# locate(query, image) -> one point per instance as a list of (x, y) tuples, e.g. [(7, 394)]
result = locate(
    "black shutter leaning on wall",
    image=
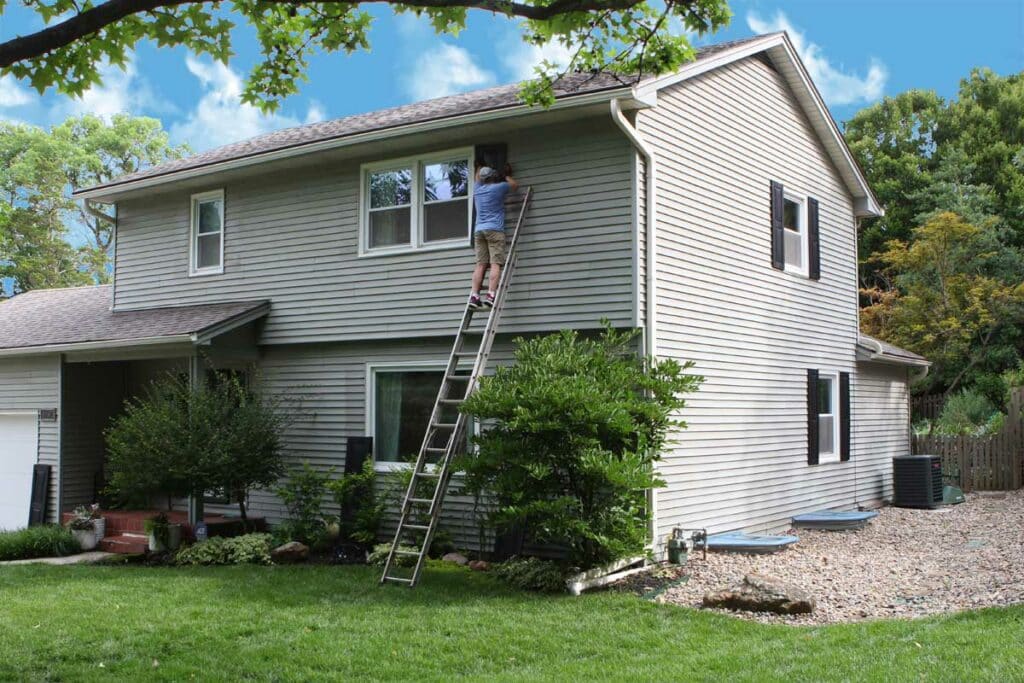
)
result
[(812, 417), (778, 239), (844, 416), (813, 240)]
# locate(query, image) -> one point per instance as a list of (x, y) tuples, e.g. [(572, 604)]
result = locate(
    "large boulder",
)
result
[(758, 593), (457, 558), (290, 552)]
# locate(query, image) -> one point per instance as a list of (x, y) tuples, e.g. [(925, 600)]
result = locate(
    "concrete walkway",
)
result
[(91, 557)]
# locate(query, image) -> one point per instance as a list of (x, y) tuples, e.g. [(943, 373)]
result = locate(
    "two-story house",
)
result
[(714, 208)]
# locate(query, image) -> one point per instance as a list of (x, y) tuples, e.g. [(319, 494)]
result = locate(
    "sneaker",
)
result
[(474, 302), (489, 300)]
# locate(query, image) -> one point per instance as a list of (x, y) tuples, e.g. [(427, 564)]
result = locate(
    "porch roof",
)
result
[(869, 348), (80, 318)]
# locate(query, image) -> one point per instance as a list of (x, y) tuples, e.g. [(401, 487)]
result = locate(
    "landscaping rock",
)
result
[(480, 565), (292, 551), (457, 558), (758, 593)]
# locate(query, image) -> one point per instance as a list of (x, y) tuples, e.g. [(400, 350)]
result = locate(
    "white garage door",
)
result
[(18, 442)]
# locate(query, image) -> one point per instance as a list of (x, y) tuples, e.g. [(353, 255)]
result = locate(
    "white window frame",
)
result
[(833, 376), (193, 246), (372, 369), (416, 218), (805, 251)]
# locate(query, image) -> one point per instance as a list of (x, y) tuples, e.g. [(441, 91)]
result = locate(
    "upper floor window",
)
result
[(796, 244), (419, 202), (794, 223), (207, 233)]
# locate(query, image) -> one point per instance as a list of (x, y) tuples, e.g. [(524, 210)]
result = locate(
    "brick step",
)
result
[(126, 544)]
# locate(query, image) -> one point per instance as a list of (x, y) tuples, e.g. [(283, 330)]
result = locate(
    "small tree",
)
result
[(574, 430), (180, 441)]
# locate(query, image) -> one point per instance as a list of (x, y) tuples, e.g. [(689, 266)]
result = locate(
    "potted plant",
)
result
[(163, 535), (99, 522), (82, 528)]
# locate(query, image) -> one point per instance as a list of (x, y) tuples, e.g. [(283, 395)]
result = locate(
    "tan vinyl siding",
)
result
[(753, 331), (293, 237), (32, 384), (880, 419)]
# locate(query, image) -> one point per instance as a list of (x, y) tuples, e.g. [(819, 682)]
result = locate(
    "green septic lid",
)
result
[(951, 495)]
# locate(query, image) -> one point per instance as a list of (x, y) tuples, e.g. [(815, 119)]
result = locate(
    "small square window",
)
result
[(828, 401), (794, 235), (207, 233)]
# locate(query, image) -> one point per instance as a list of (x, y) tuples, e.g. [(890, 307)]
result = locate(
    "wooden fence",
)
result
[(982, 463), (926, 406)]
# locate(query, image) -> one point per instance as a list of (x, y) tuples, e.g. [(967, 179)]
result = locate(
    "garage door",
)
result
[(18, 440)]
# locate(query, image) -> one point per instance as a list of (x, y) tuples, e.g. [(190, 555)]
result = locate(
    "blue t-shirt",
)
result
[(489, 200)]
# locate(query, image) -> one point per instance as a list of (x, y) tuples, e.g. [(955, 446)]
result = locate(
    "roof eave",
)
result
[(110, 191), (101, 345), (871, 351)]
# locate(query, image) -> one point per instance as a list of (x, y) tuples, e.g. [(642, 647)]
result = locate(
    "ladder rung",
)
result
[(398, 579), (445, 425), (421, 500), (452, 401), (407, 552), (416, 527), (467, 354), (427, 475), (432, 449), (462, 378)]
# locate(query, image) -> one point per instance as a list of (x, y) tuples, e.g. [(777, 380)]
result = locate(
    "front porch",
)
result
[(126, 533)]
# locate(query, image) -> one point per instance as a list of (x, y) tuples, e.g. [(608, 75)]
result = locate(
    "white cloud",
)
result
[(521, 58), (220, 117), (120, 91), (837, 86), (12, 94), (444, 70)]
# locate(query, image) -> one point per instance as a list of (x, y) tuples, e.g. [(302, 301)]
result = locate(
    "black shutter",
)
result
[(778, 239), (40, 491), (844, 416), (813, 241), (494, 155), (812, 417), (357, 450)]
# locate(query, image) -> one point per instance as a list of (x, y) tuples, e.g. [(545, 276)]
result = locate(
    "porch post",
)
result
[(195, 379)]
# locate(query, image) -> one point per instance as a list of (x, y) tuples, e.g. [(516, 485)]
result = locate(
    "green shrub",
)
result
[(37, 541), (379, 555), (965, 413), (247, 549), (576, 427), (533, 574), (361, 508), (303, 493)]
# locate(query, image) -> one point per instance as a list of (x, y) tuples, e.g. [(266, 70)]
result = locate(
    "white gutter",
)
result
[(100, 345), (106, 191), (650, 227)]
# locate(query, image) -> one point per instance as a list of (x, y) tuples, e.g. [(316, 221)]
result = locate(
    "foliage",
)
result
[(575, 428), (303, 493), (379, 555), (964, 413), (626, 35), (179, 441), (159, 527), (361, 508), (956, 298), (924, 155), (38, 168), (533, 574), (82, 518), (37, 541), (247, 549)]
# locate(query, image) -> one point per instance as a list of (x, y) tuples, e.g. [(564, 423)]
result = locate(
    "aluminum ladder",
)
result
[(420, 513)]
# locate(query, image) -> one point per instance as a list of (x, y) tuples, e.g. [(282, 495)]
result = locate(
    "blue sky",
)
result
[(857, 52)]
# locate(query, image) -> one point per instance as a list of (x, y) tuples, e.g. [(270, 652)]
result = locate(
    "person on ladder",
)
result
[(489, 230)]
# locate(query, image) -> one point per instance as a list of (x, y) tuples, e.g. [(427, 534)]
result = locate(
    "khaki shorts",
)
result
[(490, 247)]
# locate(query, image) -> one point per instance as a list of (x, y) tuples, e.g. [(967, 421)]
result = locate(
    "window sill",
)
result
[(461, 243), (799, 274), (206, 271)]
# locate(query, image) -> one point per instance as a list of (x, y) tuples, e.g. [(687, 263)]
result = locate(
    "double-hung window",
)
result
[(417, 203), (207, 234), (796, 238), (794, 224), (828, 417)]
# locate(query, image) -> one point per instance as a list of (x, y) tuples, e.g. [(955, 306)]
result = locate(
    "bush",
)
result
[(533, 574), (37, 541), (361, 508), (247, 549), (965, 413), (577, 425), (379, 555), (303, 493), (176, 441)]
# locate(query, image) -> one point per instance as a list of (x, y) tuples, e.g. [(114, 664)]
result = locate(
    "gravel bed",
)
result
[(905, 563)]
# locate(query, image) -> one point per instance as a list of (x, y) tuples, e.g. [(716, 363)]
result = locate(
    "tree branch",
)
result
[(89, 22)]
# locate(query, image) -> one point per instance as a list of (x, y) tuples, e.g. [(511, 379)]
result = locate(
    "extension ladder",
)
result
[(420, 513)]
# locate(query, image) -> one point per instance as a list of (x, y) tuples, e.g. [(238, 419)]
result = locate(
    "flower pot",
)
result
[(86, 538), (99, 526), (173, 540)]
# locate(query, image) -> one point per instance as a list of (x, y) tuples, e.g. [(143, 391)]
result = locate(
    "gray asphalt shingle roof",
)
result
[(82, 314), (893, 351), (501, 97)]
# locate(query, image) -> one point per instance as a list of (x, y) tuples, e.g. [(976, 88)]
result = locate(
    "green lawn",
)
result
[(301, 623)]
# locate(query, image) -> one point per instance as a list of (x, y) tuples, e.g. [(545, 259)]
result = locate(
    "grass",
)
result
[(37, 541), (316, 623)]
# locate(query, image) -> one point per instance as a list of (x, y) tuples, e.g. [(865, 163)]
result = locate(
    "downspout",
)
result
[(650, 230), (96, 213)]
